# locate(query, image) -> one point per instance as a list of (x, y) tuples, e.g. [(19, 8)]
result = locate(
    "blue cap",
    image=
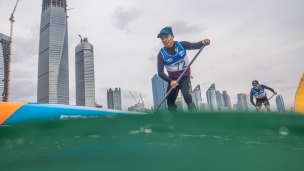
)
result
[(165, 30), (255, 82)]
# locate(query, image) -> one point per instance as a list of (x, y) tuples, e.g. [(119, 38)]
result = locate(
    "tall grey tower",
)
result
[(197, 97), (211, 98), (53, 67), (159, 89), (4, 51), (219, 99), (227, 101), (243, 103), (84, 71), (280, 103)]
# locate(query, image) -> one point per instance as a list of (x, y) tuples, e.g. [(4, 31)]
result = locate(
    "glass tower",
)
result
[(211, 98), (227, 101), (243, 103), (114, 99), (159, 89), (84, 70), (219, 99), (4, 51), (53, 67), (280, 103), (197, 97)]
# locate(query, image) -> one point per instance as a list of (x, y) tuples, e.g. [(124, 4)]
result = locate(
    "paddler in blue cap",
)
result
[(173, 56), (258, 91)]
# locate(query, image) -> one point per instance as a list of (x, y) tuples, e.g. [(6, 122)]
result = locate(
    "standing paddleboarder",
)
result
[(258, 91), (173, 56)]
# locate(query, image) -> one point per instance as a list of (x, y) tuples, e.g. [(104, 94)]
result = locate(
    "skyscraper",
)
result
[(243, 102), (84, 71), (280, 103), (53, 67), (227, 101), (181, 104), (204, 107), (211, 98), (159, 89), (4, 52), (197, 97), (219, 99), (114, 99)]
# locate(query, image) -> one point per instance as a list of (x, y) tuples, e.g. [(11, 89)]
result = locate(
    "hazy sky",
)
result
[(259, 39)]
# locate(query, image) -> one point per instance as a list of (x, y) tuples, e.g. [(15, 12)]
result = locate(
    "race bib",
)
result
[(178, 66)]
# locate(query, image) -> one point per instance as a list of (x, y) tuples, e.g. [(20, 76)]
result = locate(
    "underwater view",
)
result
[(181, 141)]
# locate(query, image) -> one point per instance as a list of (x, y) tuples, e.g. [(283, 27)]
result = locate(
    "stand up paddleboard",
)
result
[(20, 112)]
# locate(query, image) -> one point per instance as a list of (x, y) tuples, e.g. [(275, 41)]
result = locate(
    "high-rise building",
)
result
[(181, 104), (280, 103), (227, 101), (204, 107), (243, 103), (84, 71), (219, 99), (4, 52), (235, 107), (139, 107), (211, 98), (53, 64), (114, 99), (98, 105), (197, 97), (159, 89)]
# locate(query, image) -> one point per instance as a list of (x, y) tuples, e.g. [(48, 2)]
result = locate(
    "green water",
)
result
[(209, 141)]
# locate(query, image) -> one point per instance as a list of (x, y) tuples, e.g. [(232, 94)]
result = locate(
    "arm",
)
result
[(191, 46), (268, 88), (251, 99), (160, 68)]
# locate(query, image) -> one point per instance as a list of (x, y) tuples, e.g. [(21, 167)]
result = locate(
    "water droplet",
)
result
[(284, 131)]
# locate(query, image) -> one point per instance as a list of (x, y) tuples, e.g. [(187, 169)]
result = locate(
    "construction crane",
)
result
[(9, 55), (67, 12), (141, 98), (133, 97)]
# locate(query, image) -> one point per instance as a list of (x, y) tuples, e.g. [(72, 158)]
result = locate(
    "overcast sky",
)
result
[(250, 40)]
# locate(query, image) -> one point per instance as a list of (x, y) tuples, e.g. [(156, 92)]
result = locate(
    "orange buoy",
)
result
[(299, 98)]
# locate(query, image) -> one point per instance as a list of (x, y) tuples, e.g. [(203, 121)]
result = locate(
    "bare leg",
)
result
[(268, 108), (257, 108)]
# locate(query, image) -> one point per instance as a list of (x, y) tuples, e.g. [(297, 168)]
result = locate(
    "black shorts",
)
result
[(260, 102)]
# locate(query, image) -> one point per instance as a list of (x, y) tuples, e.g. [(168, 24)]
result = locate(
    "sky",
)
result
[(250, 40)]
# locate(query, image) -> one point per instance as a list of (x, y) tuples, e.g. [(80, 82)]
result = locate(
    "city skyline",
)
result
[(215, 64)]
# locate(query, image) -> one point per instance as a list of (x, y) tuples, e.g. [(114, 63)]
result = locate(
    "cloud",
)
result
[(152, 58), (155, 50), (182, 27), (206, 84), (122, 18)]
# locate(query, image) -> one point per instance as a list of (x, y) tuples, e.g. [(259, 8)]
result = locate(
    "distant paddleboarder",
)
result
[(258, 91), (173, 56)]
